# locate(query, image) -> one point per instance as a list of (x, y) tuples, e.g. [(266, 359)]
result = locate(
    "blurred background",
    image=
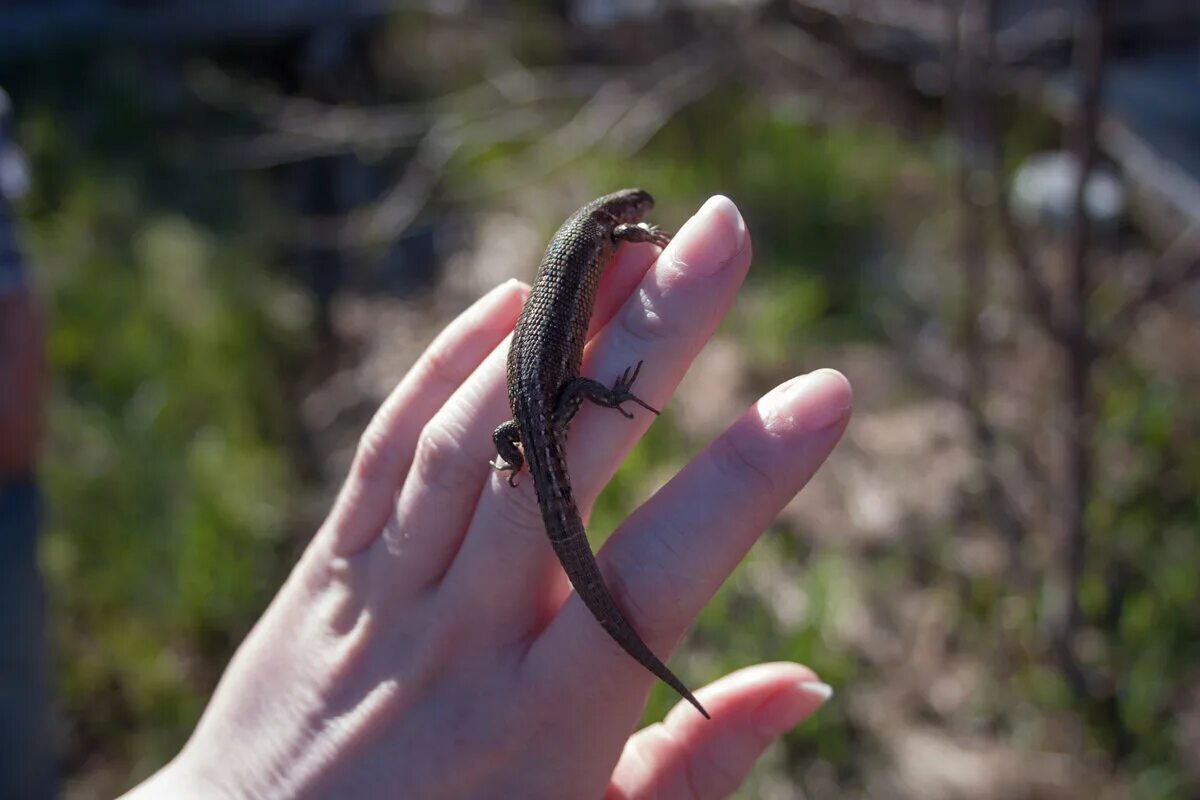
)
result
[(246, 220)]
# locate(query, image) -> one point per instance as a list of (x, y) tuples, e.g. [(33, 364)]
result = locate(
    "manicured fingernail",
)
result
[(710, 239), (512, 285), (789, 708), (812, 402), (818, 689)]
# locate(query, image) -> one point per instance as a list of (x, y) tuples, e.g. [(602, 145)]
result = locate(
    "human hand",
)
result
[(428, 645)]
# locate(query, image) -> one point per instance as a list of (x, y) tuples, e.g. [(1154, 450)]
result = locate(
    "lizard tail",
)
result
[(569, 539)]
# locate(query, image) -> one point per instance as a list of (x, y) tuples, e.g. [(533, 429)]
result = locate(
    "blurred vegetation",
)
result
[(175, 457), (170, 470)]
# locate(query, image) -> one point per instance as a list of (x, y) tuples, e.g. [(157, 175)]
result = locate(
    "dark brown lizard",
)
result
[(545, 391)]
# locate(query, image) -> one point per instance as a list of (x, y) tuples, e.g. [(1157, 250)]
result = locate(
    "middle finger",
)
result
[(506, 559)]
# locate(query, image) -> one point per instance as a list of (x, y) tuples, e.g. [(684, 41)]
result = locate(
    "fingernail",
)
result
[(818, 689), (812, 403), (512, 285), (711, 238), (791, 707)]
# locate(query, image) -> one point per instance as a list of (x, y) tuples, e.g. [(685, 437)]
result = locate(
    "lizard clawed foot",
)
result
[(621, 391), (509, 468), (657, 235), (641, 232)]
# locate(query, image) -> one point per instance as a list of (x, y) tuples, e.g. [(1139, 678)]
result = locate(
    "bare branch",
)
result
[(970, 56), (618, 114), (386, 219), (1065, 613), (919, 348), (1178, 265), (1038, 296), (301, 128)]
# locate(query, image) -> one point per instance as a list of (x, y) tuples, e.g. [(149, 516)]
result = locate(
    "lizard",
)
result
[(545, 390)]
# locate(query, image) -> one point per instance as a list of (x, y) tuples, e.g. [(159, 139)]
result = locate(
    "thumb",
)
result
[(687, 756)]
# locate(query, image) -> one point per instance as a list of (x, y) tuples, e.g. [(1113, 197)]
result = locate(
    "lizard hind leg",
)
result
[(621, 392), (507, 438), (623, 388)]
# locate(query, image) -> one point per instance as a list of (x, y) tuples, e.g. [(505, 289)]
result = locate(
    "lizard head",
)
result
[(629, 205)]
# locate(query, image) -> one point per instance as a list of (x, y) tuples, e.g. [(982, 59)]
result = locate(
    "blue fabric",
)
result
[(28, 762), (12, 270), (28, 766)]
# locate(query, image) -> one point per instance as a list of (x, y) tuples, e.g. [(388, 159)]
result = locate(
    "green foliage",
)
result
[(168, 474), (814, 199), (811, 194), (170, 468)]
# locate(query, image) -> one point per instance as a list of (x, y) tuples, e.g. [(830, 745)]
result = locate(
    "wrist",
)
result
[(178, 781)]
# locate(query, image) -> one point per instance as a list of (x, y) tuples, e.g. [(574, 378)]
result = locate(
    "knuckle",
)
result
[(699, 777), (646, 591), (645, 321), (518, 508), (439, 370), (707, 778), (374, 461), (441, 461), (742, 466)]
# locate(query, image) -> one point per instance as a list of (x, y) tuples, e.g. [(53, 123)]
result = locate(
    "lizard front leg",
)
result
[(573, 394), (508, 440), (641, 232)]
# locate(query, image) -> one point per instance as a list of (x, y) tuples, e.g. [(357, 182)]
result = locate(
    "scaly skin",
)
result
[(545, 391)]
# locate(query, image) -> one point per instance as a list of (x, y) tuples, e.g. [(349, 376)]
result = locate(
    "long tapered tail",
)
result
[(569, 539)]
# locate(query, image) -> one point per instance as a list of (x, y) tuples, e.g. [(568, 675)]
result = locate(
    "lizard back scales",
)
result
[(545, 391)]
